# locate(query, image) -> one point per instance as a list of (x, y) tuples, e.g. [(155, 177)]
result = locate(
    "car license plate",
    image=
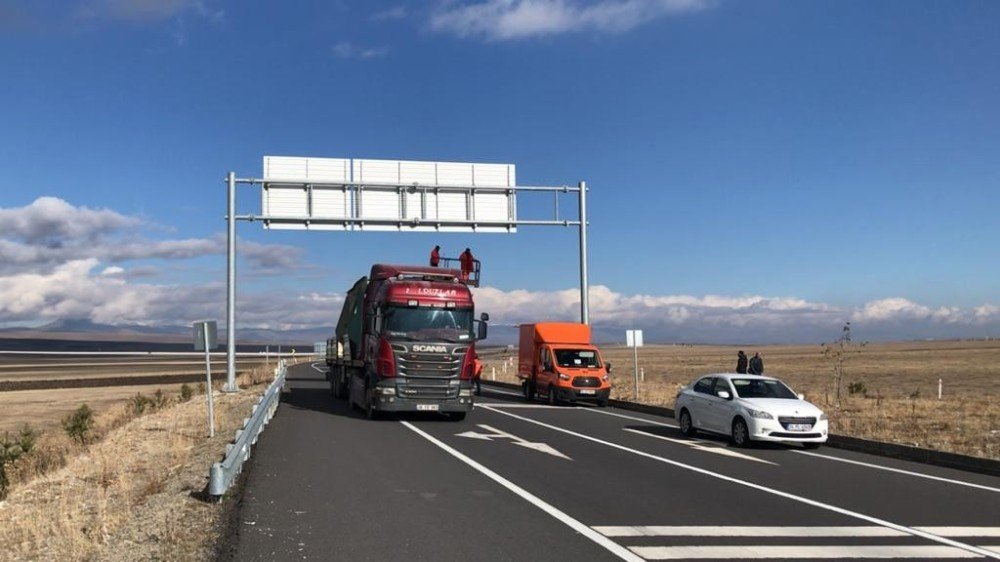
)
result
[(427, 407), (590, 392), (799, 427)]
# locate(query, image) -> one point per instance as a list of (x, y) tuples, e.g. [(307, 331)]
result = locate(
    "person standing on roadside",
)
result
[(741, 363), (468, 263), (756, 365), (477, 374), (435, 256)]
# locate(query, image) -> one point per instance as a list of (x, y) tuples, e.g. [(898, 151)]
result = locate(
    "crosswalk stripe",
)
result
[(790, 531), (797, 552)]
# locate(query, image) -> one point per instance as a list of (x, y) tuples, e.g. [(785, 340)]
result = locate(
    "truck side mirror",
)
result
[(481, 330), (485, 317)]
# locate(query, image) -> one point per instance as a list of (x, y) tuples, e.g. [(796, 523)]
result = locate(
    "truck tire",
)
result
[(370, 411)]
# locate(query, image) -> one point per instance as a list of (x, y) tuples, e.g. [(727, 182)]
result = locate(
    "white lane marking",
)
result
[(901, 471), (787, 495), (797, 552), (508, 393), (791, 531), (313, 365), (606, 413), (827, 457), (521, 406), (609, 545), (495, 433), (699, 445)]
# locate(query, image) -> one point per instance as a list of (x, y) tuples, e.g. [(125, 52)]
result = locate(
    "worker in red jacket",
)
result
[(477, 374), (435, 256), (467, 262)]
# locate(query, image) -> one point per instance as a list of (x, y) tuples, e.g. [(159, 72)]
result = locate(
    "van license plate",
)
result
[(591, 392), (799, 427), (427, 407)]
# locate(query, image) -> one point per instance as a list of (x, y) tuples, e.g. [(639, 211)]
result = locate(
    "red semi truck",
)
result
[(405, 341)]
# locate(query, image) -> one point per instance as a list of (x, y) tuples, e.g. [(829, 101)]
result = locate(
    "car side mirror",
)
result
[(607, 367), (801, 396), (723, 394)]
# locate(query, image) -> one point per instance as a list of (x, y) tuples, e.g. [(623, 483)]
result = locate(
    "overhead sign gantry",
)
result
[(352, 194)]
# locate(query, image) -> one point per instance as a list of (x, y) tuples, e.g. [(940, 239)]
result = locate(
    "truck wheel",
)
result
[(529, 390), (370, 411)]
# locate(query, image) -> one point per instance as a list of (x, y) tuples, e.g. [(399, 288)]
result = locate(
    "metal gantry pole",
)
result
[(231, 289), (584, 287)]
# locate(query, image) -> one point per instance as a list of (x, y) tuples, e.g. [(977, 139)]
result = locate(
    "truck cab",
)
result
[(557, 360)]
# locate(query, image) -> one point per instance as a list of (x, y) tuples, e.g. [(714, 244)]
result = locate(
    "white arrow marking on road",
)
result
[(699, 445), (495, 433)]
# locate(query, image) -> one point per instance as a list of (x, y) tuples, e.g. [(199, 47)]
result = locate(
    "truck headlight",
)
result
[(759, 414), (387, 390)]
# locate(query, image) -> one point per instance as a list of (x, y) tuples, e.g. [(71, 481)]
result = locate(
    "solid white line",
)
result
[(798, 552), (606, 413), (699, 445), (801, 499), (601, 540), (728, 531), (901, 471), (963, 531)]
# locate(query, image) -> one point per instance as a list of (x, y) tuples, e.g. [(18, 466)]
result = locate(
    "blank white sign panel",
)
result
[(302, 192)]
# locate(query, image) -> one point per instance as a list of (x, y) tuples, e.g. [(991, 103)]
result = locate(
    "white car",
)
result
[(749, 408)]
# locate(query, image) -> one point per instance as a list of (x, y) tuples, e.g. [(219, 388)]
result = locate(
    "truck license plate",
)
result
[(799, 427), (591, 392), (427, 407)]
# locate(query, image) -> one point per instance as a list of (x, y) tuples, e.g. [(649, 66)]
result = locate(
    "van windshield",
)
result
[(427, 324), (578, 358)]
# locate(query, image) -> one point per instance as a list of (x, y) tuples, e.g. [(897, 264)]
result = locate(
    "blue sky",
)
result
[(759, 171)]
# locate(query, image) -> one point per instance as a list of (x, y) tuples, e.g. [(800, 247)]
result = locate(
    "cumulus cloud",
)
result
[(517, 19), (348, 50), (50, 232)]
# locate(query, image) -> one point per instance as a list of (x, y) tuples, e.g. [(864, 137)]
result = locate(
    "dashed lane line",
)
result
[(606, 543), (787, 495)]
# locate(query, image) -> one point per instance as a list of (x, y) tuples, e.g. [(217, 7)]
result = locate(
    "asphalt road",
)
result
[(517, 481)]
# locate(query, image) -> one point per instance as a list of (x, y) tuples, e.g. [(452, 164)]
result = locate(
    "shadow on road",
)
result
[(674, 433)]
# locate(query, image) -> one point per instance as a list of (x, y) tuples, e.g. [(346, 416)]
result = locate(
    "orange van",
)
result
[(557, 360)]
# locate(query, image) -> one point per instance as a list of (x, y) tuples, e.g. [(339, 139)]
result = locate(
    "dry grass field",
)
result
[(899, 403)]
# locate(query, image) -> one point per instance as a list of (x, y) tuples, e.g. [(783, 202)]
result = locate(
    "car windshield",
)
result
[(579, 358), (762, 388), (428, 324)]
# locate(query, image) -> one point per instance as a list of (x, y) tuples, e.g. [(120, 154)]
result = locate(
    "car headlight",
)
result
[(759, 414), (823, 416)]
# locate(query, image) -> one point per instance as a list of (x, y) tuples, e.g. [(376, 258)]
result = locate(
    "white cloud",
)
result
[(49, 232), (348, 50), (517, 19)]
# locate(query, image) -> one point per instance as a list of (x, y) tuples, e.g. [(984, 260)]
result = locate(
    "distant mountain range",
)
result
[(78, 328)]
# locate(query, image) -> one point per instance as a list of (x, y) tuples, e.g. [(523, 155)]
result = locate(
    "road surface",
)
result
[(518, 481)]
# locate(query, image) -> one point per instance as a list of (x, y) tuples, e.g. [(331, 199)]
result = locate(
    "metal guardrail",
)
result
[(222, 474)]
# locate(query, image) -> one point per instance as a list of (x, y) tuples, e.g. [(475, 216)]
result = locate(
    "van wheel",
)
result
[(551, 396), (529, 390), (602, 402)]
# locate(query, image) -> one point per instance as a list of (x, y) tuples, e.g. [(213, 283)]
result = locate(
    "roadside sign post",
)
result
[(633, 339), (205, 338)]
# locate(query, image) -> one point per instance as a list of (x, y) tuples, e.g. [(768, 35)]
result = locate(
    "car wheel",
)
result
[(687, 428), (810, 445), (741, 434), (551, 396)]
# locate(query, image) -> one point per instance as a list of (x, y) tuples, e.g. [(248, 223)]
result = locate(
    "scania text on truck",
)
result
[(558, 360), (405, 341)]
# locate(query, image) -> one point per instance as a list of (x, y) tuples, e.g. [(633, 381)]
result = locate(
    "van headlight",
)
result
[(563, 377), (759, 414)]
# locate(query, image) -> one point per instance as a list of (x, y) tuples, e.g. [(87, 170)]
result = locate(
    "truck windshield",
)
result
[(579, 358), (428, 324)]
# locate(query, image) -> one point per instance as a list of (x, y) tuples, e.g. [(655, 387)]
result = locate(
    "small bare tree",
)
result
[(838, 353)]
